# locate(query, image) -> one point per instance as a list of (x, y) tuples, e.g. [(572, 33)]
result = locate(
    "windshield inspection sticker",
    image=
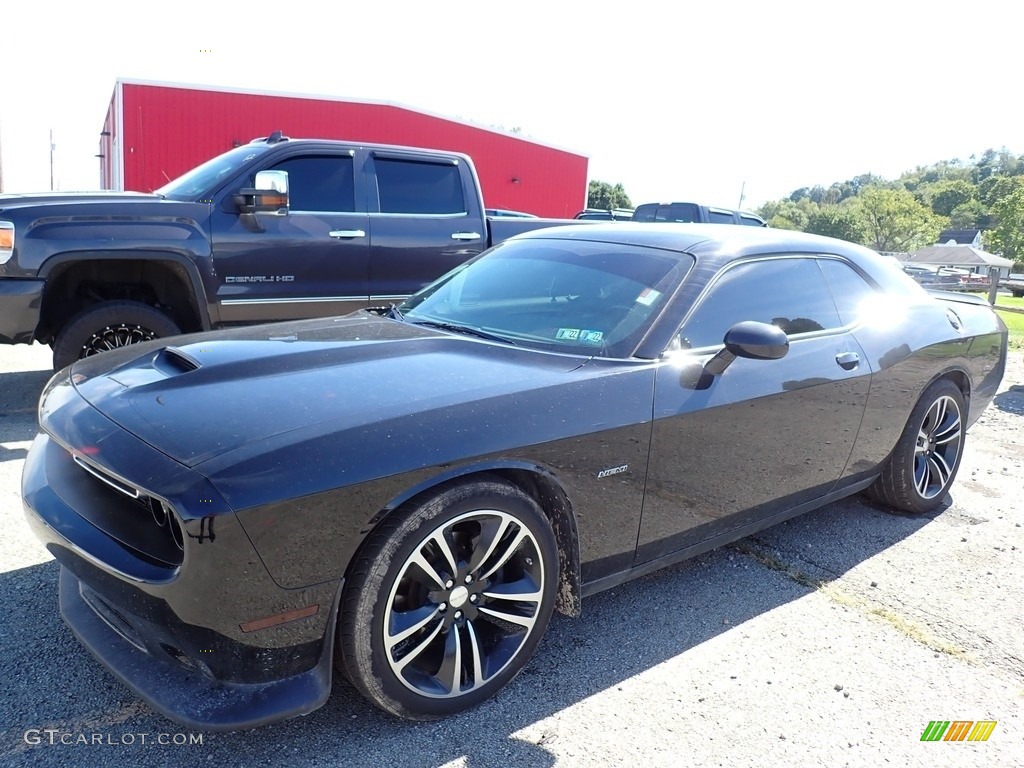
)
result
[(648, 296), (576, 334)]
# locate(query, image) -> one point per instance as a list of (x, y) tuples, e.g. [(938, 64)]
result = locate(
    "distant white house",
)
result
[(971, 237), (966, 257)]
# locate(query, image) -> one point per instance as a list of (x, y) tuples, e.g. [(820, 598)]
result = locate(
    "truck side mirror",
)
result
[(268, 195)]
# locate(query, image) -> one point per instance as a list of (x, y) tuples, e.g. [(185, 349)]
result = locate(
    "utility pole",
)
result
[(743, 189), (52, 147)]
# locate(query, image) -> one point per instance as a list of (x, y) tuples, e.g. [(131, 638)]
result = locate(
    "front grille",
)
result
[(145, 524)]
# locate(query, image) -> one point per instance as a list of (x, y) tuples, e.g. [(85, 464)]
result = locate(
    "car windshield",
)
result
[(567, 295), (206, 177)]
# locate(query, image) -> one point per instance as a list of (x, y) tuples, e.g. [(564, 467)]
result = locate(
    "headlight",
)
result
[(6, 241)]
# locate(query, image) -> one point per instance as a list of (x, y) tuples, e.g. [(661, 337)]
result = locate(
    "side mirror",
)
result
[(750, 339), (269, 195)]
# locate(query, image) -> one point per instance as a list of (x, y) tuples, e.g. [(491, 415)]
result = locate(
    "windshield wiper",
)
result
[(466, 329)]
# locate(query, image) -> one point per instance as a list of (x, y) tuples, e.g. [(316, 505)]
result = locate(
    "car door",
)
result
[(764, 436), (422, 222), (312, 261)]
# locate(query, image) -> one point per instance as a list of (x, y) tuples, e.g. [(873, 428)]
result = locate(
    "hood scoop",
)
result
[(172, 360)]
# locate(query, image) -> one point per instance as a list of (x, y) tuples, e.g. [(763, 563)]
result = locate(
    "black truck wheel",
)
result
[(448, 600), (109, 325)]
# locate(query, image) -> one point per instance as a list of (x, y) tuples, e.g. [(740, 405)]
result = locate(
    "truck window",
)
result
[(645, 212), (720, 217), (674, 212), (322, 183), (750, 221), (413, 187), (686, 212)]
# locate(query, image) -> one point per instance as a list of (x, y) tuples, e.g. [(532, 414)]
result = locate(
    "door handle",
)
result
[(848, 360), (346, 233), (465, 236)]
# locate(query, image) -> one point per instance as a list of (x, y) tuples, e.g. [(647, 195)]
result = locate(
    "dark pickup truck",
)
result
[(277, 229), (694, 212)]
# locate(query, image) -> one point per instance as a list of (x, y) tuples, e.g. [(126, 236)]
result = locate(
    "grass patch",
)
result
[(894, 619), (1015, 322), (1002, 300)]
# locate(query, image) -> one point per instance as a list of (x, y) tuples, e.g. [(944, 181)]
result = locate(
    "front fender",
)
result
[(189, 266)]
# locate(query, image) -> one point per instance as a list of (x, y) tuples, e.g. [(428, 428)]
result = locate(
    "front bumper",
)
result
[(20, 302), (184, 695), (205, 636)]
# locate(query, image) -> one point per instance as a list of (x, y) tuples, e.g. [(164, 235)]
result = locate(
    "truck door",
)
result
[(423, 222), (312, 261)]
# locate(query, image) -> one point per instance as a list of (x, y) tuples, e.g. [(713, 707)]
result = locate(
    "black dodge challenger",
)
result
[(405, 495)]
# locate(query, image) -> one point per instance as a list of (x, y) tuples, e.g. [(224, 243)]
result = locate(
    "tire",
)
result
[(427, 628), (924, 463), (109, 325)]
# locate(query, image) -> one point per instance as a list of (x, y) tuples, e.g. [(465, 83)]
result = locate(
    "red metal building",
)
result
[(154, 132)]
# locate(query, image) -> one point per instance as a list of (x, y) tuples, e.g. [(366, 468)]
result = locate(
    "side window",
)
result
[(324, 183), (720, 217), (849, 289), (750, 221), (406, 186), (789, 293)]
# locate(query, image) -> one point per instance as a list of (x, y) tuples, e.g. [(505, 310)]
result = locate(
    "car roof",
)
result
[(714, 245), (706, 241)]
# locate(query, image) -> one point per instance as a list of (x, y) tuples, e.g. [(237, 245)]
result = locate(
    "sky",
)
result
[(675, 100)]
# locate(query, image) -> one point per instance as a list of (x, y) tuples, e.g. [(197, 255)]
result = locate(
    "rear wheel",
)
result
[(927, 456), (449, 600), (109, 325)]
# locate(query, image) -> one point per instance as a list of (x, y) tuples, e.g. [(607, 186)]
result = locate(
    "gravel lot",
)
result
[(829, 640)]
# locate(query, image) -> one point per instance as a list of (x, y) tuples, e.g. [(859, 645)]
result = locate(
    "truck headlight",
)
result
[(6, 241)]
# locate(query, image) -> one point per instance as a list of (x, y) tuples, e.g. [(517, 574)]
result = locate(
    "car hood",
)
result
[(201, 396)]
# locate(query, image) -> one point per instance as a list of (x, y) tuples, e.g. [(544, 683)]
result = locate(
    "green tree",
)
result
[(786, 214), (994, 188), (1007, 238), (973, 214), (839, 221), (943, 196), (601, 194), (895, 221)]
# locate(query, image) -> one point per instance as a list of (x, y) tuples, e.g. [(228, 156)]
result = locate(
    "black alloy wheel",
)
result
[(927, 456), (109, 325), (448, 601)]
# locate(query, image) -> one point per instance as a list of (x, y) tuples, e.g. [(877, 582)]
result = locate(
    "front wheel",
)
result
[(109, 325), (924, 463), (449, 600)]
